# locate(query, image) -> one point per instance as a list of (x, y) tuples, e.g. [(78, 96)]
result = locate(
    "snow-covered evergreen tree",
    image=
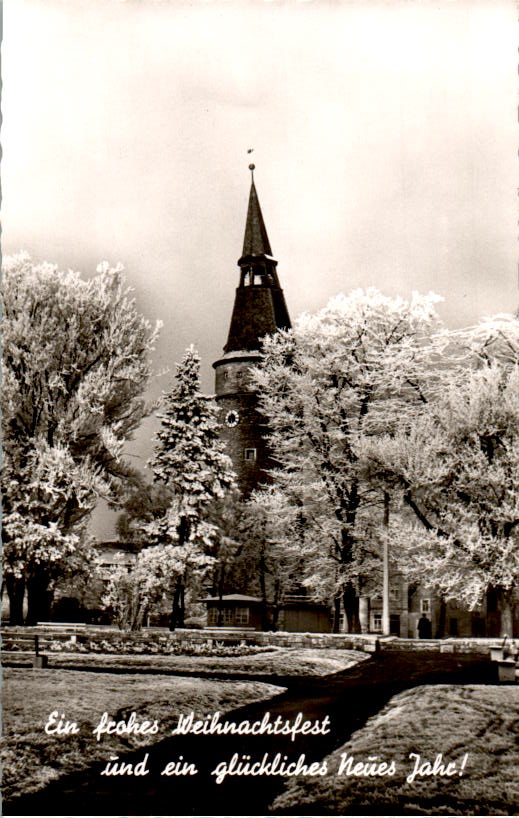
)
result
[(189, 459), (75, 364)]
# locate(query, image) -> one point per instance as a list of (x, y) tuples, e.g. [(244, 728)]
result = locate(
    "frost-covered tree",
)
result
[(189, 459), (146, 588), (75, 365), (225, 516), (457, 467), (358, 368), (271, 555)]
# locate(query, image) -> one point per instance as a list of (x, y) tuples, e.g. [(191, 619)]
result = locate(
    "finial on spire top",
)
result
[(251, 167)]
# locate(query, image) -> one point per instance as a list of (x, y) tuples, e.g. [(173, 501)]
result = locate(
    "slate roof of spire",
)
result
[(256, 241), (259, 305)]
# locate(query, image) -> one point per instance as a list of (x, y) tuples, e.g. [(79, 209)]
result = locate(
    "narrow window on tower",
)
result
[(250, 454)]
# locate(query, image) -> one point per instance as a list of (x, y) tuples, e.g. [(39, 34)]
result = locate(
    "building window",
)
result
[(250, 454), (242, 616), (394, 594), (425, 606), (377, 622), (227, 616)]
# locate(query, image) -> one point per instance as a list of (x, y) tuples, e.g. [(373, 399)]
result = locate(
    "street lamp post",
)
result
[(385, 569)]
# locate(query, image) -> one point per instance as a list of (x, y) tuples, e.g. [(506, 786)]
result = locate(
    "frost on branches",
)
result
[(357, 369), (75, 364), (131, 596), (458, 471), (189, 460), (272, 561)]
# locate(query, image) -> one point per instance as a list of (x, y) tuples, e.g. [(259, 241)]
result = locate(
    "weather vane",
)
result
[(251, 166)]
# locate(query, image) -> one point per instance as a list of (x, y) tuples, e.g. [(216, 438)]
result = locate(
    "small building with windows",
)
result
[(234, 611)]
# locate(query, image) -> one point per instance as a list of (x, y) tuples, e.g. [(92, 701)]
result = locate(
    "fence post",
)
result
[(39, 661)]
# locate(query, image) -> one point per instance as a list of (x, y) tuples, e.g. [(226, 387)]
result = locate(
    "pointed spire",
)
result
[(259, 306), (256, 241)]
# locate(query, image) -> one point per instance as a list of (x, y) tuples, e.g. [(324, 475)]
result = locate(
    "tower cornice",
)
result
[(245, 356)]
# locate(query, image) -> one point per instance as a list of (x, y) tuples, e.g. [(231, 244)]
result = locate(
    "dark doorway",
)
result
[(394, 624)]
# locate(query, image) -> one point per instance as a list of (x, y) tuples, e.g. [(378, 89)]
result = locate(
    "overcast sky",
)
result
[(384, 136)]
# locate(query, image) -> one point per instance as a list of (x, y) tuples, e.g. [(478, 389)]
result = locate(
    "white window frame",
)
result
[(425, 605), (241, 615), (227, 616), (250, 459)]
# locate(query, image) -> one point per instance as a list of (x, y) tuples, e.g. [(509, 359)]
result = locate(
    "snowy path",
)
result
[(348, 698)]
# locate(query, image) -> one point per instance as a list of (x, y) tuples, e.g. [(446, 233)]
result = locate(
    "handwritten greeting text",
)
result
[(245, 764)]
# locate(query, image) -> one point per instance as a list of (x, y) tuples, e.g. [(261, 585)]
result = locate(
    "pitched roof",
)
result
[(259, 306), (258, 311), (256, 241), (232, 598)]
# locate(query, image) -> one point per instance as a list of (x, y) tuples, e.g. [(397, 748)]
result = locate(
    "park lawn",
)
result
[(31, 758), (482, 721), (277, 662)]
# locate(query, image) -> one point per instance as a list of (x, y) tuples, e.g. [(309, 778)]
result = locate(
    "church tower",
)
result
[(259, 310)]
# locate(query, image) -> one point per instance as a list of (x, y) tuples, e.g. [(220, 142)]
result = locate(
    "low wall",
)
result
[(93, 637), (337, 641), (451, 645), (343, 641)]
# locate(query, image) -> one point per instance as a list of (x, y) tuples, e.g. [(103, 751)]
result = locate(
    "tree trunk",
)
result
[(39, 599), (219, 620), (351, 608), (182, 606), (386, 622), (15, 587), (494, 618), (336, 614), (177, 610), (440, 630), (263, 586), (275, 607), (137, 612)]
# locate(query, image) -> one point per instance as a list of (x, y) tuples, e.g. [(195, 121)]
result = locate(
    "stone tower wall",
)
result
[(233, 396)]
